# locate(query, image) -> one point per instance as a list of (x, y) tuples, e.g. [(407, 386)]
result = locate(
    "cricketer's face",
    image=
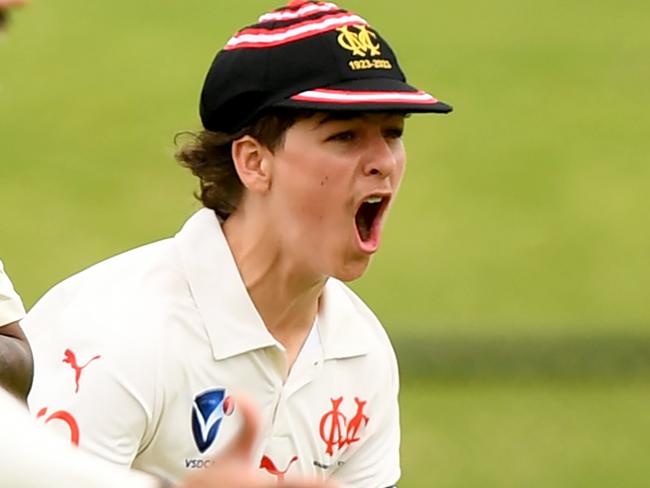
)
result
[(333, 182)]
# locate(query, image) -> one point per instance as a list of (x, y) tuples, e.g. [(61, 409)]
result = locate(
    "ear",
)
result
[(253, 163)]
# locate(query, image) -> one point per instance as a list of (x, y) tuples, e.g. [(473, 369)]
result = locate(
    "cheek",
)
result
[(400, 167), (311, 192), (307, 197), (322, 201)]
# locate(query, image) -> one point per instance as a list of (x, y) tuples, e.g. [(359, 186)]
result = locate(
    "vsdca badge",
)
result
[(208, 410)]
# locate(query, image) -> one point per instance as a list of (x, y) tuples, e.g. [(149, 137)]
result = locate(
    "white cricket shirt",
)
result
[(11, 306), (135, 359)]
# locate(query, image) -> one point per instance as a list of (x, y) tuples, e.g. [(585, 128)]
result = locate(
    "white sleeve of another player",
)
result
[(11, 306), (33, 457), (375, 462)]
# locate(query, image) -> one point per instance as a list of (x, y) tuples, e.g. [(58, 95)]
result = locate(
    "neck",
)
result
[(285, 296)]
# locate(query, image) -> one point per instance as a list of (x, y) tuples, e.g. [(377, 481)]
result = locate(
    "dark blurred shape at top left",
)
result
[(5, 6)]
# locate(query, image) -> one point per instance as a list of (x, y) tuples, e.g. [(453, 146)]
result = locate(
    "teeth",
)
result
[(373, 199)]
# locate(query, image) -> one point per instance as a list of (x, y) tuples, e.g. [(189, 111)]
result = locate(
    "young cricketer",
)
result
[(299, 162)]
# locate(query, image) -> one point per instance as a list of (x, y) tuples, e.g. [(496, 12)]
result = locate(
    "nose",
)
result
[(382, 157)]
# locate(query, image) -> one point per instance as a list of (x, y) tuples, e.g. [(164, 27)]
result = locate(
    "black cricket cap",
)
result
[(307, 55)]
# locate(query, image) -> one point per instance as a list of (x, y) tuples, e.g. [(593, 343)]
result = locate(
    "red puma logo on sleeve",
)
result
[(71, 359)]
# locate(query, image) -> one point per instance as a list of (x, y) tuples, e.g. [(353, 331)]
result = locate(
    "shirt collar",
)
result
[(232, 322)]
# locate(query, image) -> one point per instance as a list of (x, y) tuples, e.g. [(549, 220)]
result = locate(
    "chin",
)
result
[(351, 271)]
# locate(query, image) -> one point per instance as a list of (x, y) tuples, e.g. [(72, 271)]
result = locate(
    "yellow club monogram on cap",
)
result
[(361, 43)]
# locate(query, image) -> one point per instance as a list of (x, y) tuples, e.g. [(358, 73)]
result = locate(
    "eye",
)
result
[(343, 136), (394, 133)]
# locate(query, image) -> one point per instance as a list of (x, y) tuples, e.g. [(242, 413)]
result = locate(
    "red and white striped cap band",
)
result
[(263, 38), (324, 95), (305, 11)]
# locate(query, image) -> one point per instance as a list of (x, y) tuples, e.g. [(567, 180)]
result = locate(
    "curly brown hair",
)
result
[(208, 155)]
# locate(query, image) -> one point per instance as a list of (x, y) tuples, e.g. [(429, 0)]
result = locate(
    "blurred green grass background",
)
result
[(515, 270)]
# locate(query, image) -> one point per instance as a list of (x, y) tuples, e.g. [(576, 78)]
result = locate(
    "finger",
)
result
[(243, 444)]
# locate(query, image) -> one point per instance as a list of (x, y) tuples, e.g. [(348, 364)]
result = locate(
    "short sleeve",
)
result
[(11, 306), (94, 377)]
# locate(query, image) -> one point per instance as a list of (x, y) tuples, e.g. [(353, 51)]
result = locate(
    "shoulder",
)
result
[(353, 330), (98, 337), (120, 304), (355, 309), (117, 283)]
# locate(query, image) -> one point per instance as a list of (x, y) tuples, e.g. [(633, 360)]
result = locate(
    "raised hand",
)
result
[(235, 468)]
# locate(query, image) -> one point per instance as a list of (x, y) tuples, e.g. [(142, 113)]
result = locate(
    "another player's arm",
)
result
[(16, 363)]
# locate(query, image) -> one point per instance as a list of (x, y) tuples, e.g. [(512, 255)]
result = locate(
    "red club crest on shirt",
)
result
[(335, 428)]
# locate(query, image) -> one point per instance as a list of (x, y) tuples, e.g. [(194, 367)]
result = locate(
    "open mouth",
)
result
[(369, 215)]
